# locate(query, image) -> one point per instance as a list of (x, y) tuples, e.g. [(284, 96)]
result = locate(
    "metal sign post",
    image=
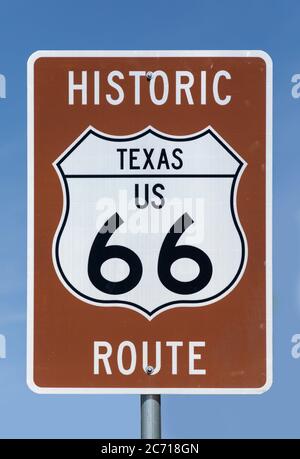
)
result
[(150, 417)]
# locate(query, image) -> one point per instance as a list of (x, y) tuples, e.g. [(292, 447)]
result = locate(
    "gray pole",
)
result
[(150, 417)]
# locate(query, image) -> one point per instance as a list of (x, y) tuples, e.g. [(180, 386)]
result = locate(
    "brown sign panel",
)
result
[(149, 242)]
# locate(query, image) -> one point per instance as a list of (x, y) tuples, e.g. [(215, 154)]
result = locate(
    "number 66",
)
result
[(169, 253)]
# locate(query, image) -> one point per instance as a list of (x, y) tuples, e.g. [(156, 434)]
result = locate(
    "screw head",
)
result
[(149, 370), (149, 75)]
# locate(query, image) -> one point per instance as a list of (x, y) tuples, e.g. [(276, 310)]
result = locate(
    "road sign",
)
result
[(149, 239)]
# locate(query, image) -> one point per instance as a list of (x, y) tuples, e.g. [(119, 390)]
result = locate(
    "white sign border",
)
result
[(30, 222)]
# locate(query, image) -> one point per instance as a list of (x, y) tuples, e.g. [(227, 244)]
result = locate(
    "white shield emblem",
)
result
[(150, 220)]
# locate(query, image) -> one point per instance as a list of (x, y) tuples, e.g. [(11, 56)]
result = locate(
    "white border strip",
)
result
[(30, 222)]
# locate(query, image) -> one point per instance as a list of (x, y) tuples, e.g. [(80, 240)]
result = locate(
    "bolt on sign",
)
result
[(149, 222)]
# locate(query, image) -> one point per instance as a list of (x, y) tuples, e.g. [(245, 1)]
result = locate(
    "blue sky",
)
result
[(271, 25)]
